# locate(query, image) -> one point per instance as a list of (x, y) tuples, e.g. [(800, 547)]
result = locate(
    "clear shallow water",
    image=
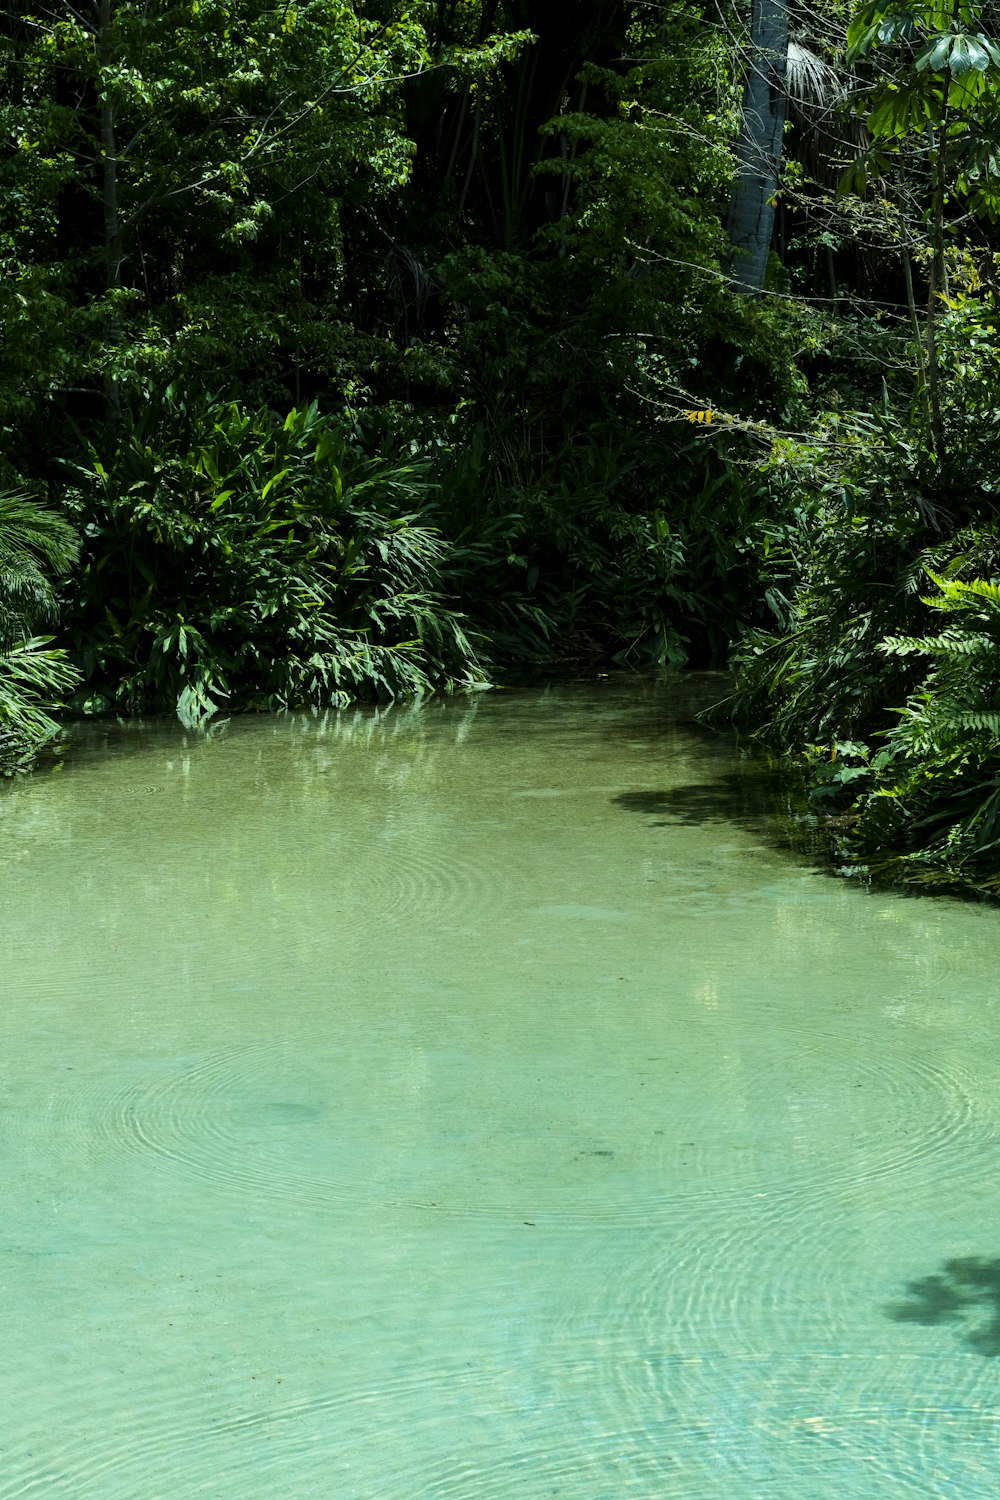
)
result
[(471, 1103)]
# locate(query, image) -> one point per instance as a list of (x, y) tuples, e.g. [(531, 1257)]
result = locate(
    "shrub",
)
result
[(235, 559)]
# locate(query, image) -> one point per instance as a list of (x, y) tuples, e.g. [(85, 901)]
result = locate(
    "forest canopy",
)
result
[(356, 351)]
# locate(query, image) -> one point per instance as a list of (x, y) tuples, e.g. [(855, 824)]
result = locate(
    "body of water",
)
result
[(474, 1102)]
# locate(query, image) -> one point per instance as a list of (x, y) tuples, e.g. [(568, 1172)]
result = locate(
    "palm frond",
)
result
[(28, 528), (34, 678), (812, 84)]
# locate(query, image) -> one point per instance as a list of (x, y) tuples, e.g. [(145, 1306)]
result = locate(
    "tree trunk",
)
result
[(759, 145)]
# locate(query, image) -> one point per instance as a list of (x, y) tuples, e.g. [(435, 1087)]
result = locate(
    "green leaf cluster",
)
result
[(36, 547), (234, 560), (933, 815)]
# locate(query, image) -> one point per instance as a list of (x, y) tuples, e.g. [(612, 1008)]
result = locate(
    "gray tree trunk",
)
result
[(759, 146)]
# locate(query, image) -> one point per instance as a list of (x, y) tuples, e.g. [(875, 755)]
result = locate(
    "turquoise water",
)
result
[(473, 1101)]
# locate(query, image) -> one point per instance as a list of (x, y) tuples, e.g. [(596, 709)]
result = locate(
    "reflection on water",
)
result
[(474, 1100)]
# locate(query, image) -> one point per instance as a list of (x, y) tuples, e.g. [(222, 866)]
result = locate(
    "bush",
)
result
[(933, 813), (232, 559), (898, 725)]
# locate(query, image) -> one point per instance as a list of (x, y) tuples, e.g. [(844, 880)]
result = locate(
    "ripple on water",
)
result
[(260, 1122), (395, 881), (705, 1326), (692, 1428), (735, 1350)]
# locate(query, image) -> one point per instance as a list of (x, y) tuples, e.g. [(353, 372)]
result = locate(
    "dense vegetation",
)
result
[(359, 351)]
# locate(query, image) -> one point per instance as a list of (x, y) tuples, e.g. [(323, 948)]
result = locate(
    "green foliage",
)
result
[(562, 293), (933, 815), (633, 547), (488, 237), (504, 213), (233, 143), (946, 66), (36, 546), (873, 510), (234, 560), (34, 677), (839, 555)]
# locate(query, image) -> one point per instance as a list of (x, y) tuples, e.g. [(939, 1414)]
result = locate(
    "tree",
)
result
[(178, 178), (939, 97), (759, 144)]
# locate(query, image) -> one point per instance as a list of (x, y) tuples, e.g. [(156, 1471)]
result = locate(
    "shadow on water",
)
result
[(728, 799), (760, 798), (964, 1290)]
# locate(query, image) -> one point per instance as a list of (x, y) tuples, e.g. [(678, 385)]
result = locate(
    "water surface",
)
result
[(475, 1101)]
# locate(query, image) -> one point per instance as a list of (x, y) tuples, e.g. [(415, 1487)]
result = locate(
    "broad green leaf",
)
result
[(860, 39), (936, 54), (900, 111), (275, 479)]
